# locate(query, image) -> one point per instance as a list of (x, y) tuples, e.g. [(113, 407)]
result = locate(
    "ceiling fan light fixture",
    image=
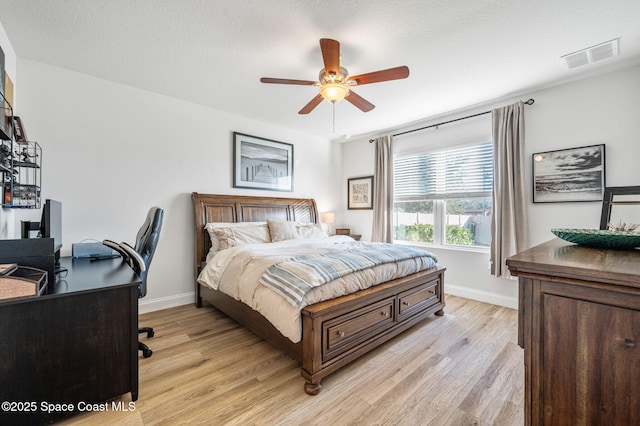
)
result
[(334, 92), (335, 83)]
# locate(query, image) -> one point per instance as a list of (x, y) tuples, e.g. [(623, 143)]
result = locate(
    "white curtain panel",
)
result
[(509, 229), (383, 191)]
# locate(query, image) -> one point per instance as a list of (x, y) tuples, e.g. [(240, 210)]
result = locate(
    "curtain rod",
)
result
[(528, 102)]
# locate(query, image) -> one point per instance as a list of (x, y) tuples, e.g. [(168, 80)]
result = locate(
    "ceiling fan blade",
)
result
[(383, 75), (288, 81), (311, 105), (359, 101), (330, 55)]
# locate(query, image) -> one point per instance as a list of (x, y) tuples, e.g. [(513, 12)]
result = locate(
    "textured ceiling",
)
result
[(213, 52)]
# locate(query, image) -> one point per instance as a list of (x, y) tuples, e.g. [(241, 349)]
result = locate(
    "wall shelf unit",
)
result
[(20, 165)]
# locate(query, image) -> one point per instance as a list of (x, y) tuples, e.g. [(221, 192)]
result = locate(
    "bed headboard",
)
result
[(236, 208)]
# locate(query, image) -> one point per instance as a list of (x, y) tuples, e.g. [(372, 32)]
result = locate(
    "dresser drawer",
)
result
[(347, 331), (418, 299)]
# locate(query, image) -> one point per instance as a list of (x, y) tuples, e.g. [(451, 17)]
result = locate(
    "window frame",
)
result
[(439, 203)]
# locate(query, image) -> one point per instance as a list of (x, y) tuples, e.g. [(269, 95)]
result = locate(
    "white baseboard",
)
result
[(151, 305), (481, 296)]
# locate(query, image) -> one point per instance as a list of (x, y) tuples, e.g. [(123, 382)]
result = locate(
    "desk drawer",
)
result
[(418, 299), (347, 331)]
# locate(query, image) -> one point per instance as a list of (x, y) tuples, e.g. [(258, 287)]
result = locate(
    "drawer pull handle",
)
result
[(384, 313), (341, 333), (405, 303)]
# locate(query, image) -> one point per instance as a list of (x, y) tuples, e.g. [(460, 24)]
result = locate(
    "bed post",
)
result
[(199, 229)]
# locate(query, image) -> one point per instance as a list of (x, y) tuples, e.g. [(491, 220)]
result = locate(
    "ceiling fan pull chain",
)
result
[(333, 103)]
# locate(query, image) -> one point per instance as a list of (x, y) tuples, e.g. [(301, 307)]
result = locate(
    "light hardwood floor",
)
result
[(464, 368)]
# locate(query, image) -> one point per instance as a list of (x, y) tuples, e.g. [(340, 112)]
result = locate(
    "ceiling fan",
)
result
[(335, 83)]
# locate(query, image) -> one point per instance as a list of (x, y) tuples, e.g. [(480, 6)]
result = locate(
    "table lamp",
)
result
[(328, 218)]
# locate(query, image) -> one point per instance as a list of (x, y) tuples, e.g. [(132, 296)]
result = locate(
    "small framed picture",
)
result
[(262, 163), (360, 193), (575, 174), (19, 133)]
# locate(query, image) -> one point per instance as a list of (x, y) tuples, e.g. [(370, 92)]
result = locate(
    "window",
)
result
[(443, 197)]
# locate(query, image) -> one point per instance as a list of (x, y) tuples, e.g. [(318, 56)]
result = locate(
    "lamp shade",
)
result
[(334, 92), (328, 217)]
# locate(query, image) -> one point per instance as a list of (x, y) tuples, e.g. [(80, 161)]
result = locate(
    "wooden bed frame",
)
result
[(334, 332)]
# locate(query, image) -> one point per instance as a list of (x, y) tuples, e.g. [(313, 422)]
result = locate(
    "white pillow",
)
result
[(215, 242), (310, 230), (282, 230), (234, 236)]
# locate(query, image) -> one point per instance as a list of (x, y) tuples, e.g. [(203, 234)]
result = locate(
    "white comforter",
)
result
[(236, 271)]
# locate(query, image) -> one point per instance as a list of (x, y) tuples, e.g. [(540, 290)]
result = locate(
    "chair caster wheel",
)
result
[(151, 334), (147, 353)]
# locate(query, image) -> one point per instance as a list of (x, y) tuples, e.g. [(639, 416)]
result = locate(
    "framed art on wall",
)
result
[(575, 174), (260, 163), (360, 193)]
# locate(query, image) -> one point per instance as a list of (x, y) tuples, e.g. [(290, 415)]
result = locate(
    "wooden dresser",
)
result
[(579, 325)]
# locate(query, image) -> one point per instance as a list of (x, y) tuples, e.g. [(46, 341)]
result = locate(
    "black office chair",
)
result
[(139, 258)]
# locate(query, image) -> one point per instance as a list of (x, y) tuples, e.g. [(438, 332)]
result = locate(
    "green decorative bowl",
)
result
[(599, 238)]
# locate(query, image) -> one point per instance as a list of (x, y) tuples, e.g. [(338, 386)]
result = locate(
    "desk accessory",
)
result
[(95, 250), (22, 281)]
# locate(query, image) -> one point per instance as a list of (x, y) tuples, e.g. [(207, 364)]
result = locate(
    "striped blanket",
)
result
[(295, 277)]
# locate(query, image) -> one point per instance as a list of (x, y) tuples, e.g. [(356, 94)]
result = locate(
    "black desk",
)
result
[(77, 345)]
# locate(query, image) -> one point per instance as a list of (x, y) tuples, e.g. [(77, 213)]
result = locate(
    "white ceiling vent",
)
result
[(601, 51)]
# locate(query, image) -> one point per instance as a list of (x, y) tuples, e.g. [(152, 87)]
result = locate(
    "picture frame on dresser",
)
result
[(626, 214), (260, 163), (565, 175)]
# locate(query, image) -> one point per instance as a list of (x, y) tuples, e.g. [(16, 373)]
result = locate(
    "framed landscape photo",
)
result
[(260, 163), (360, 193), (575, 174)]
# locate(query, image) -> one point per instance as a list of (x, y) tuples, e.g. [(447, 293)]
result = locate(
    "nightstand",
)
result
[(355, 236)]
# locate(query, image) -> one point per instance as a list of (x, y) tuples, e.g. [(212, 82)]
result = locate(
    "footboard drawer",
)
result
[(338, 331), (346, 331), (418, 299)]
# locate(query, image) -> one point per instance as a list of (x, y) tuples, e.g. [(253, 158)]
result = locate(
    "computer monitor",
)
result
[(51, 225)]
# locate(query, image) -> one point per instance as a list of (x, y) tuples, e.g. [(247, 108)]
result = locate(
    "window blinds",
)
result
[(463, 172)]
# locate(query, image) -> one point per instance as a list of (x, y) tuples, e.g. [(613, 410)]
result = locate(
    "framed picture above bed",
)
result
[(575, 174), (260, 163), (360, 193)]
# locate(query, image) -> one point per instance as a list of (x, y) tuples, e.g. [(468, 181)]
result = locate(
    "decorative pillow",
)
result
[(310, 230), (215, 243), (234, 236), (281, 230)]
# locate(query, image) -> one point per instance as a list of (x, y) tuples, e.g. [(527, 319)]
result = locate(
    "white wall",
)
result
[(358, 160), (111, 151), (603, 109), (7, 218)]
